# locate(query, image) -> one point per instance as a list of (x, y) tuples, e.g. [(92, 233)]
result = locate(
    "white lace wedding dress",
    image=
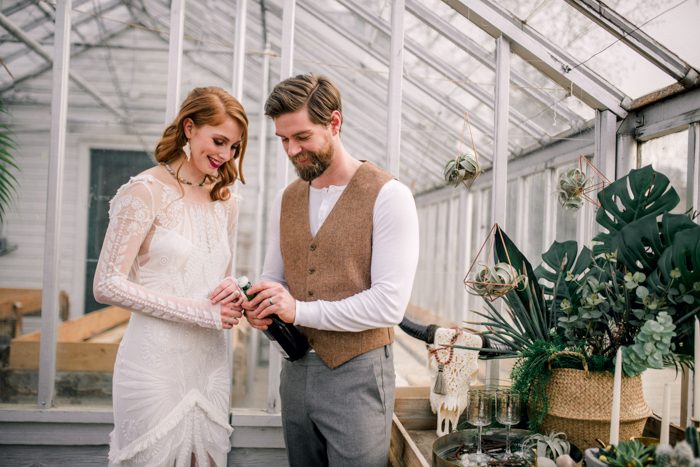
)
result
[(161, 258)]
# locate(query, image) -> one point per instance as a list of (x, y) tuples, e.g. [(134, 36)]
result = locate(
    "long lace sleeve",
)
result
[(131, 216)]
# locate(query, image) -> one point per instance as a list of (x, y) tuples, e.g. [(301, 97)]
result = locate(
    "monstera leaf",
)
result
[(642, 193), (640, 244), (684, 255), (561, 263)]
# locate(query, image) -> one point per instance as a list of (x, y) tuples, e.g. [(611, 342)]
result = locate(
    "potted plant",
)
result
[(639, 454), (8, 182), (637, 288)]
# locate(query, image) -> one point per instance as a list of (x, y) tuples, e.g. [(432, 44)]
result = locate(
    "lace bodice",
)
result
[(163, 255)]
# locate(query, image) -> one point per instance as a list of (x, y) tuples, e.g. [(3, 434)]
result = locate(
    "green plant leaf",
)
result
[(558, 262), (8, 181), (530, 297), (641, 193)]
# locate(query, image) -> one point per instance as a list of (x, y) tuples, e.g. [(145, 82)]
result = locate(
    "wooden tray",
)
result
[(414, 426)]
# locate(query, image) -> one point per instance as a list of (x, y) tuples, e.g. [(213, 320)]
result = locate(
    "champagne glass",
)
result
[(480, 414), (507, 413)]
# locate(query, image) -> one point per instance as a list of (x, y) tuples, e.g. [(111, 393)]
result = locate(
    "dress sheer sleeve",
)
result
[(131, 215)]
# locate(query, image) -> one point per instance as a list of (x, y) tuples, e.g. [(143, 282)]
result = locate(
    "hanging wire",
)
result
[(625, 35)]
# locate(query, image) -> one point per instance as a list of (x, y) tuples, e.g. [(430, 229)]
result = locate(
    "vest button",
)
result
[(312, 270), (311, 293), (312, 247)]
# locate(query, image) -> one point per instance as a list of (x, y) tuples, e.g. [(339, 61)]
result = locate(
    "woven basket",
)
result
[(580, 405)]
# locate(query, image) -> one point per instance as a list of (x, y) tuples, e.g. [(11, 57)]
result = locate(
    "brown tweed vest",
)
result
[(336, 263)]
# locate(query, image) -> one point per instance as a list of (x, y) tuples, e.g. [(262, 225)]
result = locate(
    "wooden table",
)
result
[(16, 303)]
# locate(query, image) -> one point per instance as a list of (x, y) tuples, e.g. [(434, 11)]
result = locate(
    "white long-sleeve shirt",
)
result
[(394, 261)]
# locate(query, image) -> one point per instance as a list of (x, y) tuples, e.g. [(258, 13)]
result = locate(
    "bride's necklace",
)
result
[(180, 179)]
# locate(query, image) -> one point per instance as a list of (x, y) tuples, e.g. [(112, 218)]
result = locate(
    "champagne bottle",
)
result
[(287, 338)]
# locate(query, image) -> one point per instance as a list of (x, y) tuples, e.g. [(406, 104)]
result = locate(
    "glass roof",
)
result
[(449, 63)]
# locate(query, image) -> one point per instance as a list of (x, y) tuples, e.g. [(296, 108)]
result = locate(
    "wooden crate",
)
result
[(86, 344), (413, 428)]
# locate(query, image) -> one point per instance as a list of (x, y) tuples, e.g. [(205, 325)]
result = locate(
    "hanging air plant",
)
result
[(572, 188), (463, 169), (495, 281)]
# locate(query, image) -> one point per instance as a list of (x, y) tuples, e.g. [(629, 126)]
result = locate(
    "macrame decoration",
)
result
[(452, 370)]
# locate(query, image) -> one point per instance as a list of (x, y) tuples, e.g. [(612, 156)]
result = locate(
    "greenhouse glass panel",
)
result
[(669, 155), (566, 220), (534, 217), (595, 48)]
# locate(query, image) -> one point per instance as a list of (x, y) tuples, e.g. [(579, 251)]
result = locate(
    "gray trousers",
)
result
[(339, 417)]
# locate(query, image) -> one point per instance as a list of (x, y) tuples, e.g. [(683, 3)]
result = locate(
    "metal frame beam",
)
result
[(393, 116), (239, 48), (45, 67), (605, 143), (75, 77), (693, 180), (485, 58), (39, 21), (373, 102), (447, 70), (478, 122), (543, 55), (177, 32), (316, 48), (638, 40), (558, 153), (442, 67), (54, 200)]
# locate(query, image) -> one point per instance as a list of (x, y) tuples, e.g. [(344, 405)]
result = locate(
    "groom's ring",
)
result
[(270, 300)]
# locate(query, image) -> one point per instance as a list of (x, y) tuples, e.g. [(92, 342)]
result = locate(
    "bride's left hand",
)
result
[(228, 292)]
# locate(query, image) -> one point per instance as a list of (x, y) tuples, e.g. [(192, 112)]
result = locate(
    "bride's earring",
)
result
[(187, 150)]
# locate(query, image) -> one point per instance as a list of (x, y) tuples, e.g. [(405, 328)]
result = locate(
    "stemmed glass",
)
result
[(507, 413), (480, 414)]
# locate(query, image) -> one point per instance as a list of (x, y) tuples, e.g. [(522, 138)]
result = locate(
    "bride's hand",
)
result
[(227, 292), (231, 313)]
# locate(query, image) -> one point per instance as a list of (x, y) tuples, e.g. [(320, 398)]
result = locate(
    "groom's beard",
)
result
[(316, 163)]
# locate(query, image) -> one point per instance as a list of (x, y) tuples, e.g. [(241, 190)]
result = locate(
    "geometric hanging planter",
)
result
[(464, 168), (575, 184), (489, 279)]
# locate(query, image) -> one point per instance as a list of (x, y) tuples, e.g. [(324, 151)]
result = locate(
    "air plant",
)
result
[(495, 281), (462, 169), (572, 185)]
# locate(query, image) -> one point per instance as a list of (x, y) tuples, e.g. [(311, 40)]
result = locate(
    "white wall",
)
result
[(134, 82)]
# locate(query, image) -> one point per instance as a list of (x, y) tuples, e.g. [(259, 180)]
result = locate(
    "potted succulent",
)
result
[(635, 453), (637, 288), (627, 453)]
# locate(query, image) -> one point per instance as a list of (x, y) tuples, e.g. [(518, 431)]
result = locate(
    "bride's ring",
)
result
[(270, 300)]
